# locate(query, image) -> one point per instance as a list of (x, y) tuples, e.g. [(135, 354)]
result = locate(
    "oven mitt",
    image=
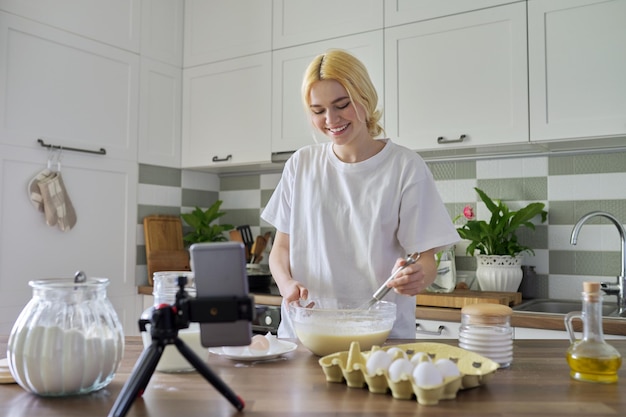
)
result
[(33, 188), (57, 205)]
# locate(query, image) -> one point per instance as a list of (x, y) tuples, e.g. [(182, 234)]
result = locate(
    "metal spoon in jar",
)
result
[(384, 289)]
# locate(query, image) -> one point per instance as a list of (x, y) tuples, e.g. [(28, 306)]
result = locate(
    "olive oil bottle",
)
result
[(591, 359)]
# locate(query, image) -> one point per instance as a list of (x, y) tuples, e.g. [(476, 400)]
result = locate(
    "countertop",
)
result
[(537, 383)]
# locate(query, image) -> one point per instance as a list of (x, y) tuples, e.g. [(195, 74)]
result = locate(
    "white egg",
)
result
[(396, 351), (447, 368), (420, 357), (399, 367), (426, 375), (378, 361)]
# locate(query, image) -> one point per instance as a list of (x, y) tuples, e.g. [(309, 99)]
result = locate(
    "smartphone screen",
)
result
[(219, 269)]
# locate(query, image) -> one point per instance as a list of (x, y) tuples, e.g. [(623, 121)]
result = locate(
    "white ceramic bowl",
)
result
[(331, 325)]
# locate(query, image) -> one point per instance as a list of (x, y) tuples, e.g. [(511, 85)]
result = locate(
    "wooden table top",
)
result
[(537, 384)]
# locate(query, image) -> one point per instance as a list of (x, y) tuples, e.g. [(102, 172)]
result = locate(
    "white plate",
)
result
[(285, 348)]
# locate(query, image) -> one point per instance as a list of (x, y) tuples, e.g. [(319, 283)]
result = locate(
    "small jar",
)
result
[(164, 292), (486, 330), (67, 340)]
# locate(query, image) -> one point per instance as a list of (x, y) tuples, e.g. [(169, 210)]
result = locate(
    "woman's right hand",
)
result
[(293, 290)]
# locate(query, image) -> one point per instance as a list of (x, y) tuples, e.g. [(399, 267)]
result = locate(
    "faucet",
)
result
[(609, 288)]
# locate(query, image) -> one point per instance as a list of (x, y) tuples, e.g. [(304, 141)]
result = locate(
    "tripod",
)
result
[(165, 322)]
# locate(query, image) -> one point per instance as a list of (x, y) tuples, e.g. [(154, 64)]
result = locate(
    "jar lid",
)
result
[(487, 313)]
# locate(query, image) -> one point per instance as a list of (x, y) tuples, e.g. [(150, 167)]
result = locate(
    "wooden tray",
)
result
[(461, 298)]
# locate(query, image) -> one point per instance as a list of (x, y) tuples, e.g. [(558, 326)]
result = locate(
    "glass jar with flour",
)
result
[(68, 339)]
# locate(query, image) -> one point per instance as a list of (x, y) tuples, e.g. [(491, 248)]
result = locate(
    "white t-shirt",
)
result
[(349, 222)]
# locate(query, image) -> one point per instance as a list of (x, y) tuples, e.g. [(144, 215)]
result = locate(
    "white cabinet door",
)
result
[(113, 22), (226, 112), (291, 128), (160, 114), (577, 67), (299, 22), (102, 243), (459, 75), (222, 29), (398, 12), (66, 89), (434, 329), (162, 24)]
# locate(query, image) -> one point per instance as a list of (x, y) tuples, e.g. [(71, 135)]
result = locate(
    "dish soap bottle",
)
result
[(591, 359)]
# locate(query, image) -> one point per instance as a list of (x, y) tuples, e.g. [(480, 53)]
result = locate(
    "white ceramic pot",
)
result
[(499, 272)]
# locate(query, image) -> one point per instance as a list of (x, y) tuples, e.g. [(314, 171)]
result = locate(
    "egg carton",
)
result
[(350, 367)]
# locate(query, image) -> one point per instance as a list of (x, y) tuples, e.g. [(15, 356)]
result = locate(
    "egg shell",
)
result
[(420, 357), (395, 353), (400, 367), (426, 375), (447, 368), (259, 346), (378, 361)]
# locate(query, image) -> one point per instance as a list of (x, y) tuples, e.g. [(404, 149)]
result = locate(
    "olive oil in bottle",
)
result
[(591, 359)]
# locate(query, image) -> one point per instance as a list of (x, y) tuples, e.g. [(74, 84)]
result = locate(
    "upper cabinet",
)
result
[(216, 30), (66, 89), (291, 128), (226, 112), (162, 23), (577, 68), (113, 22), (398, 12), (458, 81), (298, 22)]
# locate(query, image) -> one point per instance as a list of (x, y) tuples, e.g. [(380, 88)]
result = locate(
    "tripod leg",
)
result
[(139, 378), (209, 375)]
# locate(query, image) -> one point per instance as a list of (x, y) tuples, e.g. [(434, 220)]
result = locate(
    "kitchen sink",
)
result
[(554, 306)]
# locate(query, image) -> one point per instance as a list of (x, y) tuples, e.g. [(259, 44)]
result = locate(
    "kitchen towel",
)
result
[(57, 205)]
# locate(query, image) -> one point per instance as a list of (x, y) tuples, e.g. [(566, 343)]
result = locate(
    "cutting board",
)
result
[(165, 250), (460, 298)]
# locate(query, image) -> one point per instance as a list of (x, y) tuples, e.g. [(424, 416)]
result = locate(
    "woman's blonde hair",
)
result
[(339, 65)]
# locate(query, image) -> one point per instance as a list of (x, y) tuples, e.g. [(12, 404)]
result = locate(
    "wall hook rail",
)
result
[(101, 151)]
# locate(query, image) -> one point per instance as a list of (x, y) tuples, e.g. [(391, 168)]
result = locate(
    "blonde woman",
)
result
[(347, 212)]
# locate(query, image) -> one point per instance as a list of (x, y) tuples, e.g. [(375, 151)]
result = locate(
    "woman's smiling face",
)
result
[(335, 115)]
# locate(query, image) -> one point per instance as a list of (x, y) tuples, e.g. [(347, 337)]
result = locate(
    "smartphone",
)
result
[(219, 269)]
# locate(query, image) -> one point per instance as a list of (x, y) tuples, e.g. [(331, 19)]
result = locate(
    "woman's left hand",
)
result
[(415, 278)]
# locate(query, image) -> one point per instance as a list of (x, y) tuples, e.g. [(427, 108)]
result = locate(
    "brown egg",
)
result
[(259, 345)]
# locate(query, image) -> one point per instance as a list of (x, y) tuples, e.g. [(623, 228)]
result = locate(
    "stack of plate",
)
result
[(493, 342)]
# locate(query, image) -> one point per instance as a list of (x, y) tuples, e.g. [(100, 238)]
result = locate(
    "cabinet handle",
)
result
[(437, 332), (442, 140), (217, 159)]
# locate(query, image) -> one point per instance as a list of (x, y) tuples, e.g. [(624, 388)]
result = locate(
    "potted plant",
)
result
[(495, 243), (202, 227)]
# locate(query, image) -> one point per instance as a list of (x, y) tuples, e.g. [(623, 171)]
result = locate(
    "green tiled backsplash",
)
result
[(533, 183)]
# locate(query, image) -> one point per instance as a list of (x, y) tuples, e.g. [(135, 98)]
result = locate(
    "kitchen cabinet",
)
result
[(66, 89), (297, 23), (103, 192), (291, 128), (226, 116), (216, 30), (114, 22), (577, 63), (160, 114), (162, 23), (458, 81), (436, 329), (398, 12)]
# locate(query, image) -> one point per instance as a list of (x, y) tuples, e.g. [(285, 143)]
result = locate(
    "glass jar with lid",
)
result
[(486, 330), (67, 340)]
